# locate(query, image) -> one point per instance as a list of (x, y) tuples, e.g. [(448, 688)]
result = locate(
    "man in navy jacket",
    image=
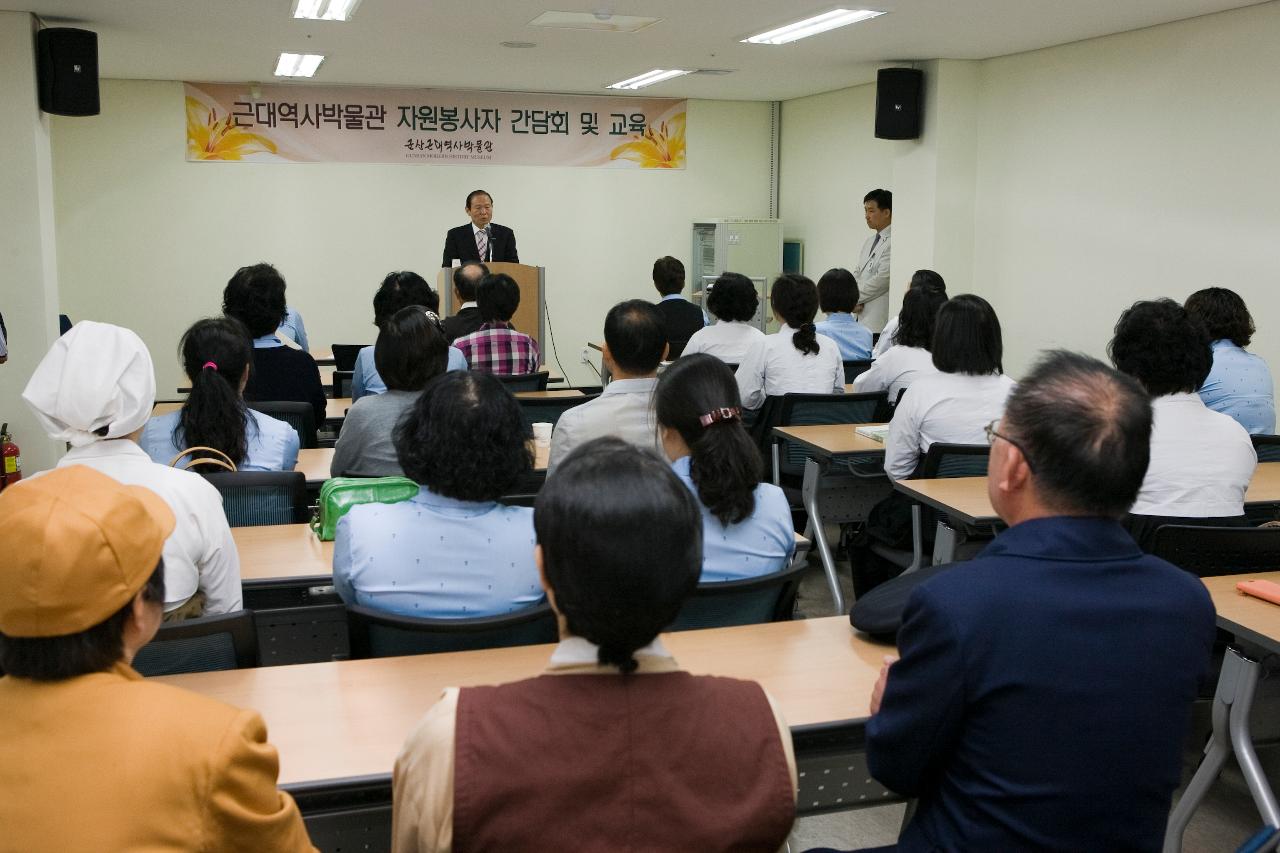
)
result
[(482, 239), (1044, 687)]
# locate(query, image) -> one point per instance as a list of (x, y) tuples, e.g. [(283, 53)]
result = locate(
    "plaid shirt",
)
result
[(498, 348)]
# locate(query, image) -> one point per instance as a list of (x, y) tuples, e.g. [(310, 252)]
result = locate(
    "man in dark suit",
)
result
[(482, 239), (467, 319), (1044, 687), (680, 317)]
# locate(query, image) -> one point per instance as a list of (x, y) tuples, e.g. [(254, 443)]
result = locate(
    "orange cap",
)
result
[(78, 547)]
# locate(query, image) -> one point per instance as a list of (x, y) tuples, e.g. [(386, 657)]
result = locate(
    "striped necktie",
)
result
[(482, 242)]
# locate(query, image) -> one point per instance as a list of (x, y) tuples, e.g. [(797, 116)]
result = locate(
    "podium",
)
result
[(531, 280)]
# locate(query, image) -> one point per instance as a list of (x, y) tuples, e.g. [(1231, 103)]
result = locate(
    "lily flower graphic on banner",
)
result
[(213, 138), (662, 148)]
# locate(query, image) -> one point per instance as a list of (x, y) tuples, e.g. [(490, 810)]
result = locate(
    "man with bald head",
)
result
[(1045, 686), (467, 319)]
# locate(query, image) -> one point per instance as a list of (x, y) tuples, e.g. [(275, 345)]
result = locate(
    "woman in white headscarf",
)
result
[(95, 389)]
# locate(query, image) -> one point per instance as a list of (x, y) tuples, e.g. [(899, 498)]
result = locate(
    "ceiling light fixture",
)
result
[(298, 64), (812, 26), (648, 78), (325, 10)]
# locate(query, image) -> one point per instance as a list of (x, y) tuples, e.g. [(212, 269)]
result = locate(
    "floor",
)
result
[(1224, 821)]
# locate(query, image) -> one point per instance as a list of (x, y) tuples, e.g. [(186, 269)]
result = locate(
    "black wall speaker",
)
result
[(899, 103), (67, 65)]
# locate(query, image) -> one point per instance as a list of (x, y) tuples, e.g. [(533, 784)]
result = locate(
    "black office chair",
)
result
[(768, 598), (341, 383), (344, 356), (809, 410), (206, 644), (535, 410), (1267, 447), (525, 381), (855, 368), (374, 634), (255, 498), (1208, 551), (300, 416)]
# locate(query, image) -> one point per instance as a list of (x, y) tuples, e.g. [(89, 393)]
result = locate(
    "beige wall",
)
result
[(148, 240)]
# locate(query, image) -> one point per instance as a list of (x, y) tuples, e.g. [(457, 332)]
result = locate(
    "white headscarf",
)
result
[(96, 375)]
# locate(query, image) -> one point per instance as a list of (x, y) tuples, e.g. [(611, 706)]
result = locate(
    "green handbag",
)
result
[(340, 494)]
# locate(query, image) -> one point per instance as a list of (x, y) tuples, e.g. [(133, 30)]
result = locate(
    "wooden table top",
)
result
[(349, 718), (337, 406), (832, 439), (315, 462), (1245, 616)]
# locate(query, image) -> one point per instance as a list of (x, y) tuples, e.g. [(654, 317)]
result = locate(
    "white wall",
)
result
[(148, 240)]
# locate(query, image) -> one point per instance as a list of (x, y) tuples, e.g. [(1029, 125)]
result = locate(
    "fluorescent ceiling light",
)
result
[(812, 26), (298, 64), (324, 10), (599, 21), (648, 78)]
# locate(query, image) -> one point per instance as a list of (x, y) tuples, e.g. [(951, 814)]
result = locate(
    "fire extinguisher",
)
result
[(12, 459)]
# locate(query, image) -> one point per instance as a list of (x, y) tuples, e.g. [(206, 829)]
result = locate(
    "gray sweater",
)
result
[(365, 447)]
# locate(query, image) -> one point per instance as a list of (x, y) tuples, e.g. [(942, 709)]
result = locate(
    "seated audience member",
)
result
[(452, 550), (410, 352), (920, 278), (910, 357), (1239, 383), (635, 343), (496, 347), (94, 390), (1201, 461), (625, 749), (747, 529), (680, 317), (795, 359), (93, 756), (466, 319), (216, 356), (255, 297), (293, 328), (837, 297), (1009, 750), (733, 300), (398, 291)]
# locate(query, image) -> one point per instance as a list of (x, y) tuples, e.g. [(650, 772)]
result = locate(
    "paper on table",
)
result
[(875, 433)]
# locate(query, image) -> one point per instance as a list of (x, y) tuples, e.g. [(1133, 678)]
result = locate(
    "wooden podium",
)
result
[(528, 317)]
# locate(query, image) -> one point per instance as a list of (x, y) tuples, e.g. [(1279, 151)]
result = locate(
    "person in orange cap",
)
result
[(93, 757)]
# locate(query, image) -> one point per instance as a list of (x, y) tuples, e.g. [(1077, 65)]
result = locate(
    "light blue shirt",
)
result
[(272, 443), (760, 544), (267, 342), (292, 326), (1239, 385), (365, 379), (437, 557), (853, 338)]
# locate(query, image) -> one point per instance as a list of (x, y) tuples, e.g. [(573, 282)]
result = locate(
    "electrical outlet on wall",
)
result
[(586, 355)]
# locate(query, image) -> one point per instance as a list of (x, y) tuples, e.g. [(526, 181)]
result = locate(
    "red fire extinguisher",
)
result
[(12, 458)]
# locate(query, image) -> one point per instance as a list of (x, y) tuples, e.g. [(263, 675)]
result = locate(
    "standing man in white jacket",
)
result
[(872, 272)]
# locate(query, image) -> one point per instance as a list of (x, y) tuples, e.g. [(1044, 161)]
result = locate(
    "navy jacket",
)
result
[(460, 243), (1043, 693)]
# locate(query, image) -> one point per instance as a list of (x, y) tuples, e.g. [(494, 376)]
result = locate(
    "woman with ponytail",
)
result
[(795, 359), (216, 355), (746, 524)]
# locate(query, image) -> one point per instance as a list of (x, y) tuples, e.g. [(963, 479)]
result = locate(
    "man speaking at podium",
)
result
[(482, 240)]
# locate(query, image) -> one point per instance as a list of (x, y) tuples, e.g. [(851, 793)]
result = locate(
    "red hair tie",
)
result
[(722, 414), (210, 364)]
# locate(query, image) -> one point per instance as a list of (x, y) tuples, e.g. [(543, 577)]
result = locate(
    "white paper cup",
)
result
[(542, 434)]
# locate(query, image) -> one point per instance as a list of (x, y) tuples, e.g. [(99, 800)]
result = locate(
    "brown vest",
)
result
[(665, 761)]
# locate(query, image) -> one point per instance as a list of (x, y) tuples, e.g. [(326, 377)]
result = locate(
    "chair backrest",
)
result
[(1267, 447), (254, 498), (1208, 551), (300, 416), (341, 383), (855, 368), (817, 409), (954, 460), (375, 634), (549, 410), (768, 598), (206, 644), (525, 381), (344, 355)]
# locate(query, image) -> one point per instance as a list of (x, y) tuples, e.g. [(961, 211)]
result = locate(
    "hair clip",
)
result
[(721, 414)]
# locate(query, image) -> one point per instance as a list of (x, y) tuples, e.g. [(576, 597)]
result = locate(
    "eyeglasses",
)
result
[(992, 435)]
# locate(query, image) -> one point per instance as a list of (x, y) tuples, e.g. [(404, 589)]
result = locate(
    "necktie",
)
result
[(874, 243), (482, 242)]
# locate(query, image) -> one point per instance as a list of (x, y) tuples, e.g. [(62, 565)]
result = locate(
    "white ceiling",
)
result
[(455, 44)]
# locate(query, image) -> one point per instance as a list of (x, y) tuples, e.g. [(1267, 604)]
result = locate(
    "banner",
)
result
[(304, 124)]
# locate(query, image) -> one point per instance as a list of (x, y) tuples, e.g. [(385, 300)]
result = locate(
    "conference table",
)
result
[(315, 462), (1255, 627), (339, 725)]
